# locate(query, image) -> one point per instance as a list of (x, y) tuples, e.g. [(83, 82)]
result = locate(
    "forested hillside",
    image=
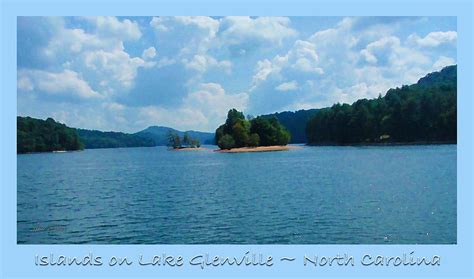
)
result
[(36, 135), (422, 112), (98, 139)]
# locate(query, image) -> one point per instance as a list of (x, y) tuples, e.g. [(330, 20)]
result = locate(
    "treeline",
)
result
[(36, 135), (422, 112), (240, 132), (98, 139)]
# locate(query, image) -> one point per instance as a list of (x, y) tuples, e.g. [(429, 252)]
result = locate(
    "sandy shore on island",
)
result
[(191, 149), (259, 149)]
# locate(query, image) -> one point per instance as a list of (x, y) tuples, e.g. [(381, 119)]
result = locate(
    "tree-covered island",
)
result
[(239, 132), (186, 142)]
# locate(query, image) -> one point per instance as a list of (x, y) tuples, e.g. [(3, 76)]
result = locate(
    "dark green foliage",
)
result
[(186, 139), (174, 140), (269, 131), (260, 131), (97, 139), (254, 140), (195, 143), (294, 122), (424, 112), (240, 132), (36, 135), (226, 142)]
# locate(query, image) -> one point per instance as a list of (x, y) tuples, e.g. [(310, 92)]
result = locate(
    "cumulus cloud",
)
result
[(125, 74), (287, 86), (236, 29), (442, 62), (66, 83), (116, 68), (149, 53), (201, 63), (203, 109), (434, 39), (211, 99), (301, 58), (190, 34), (100, 53), (165, 24), (110, 26), (197, 37), (380, 49)]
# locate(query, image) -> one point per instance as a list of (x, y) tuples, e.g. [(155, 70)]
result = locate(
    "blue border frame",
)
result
[(18, 260)]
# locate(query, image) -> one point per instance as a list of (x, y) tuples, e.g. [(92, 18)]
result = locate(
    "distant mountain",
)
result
[(294, 122), (159, 135), (98, 139)]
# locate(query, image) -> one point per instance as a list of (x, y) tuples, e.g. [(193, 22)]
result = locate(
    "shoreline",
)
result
[(259, 149), (188, 149), (385, 143)]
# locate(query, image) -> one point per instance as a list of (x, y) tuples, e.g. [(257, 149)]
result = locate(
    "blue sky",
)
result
[(127, 73)]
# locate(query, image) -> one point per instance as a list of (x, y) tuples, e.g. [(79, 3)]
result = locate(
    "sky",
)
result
[(128, 73)]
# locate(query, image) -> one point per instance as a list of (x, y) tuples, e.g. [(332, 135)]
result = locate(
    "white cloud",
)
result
[(179, 118), (99, 54), (165, 61), (201, 35), (301, 59), (158, 24), (149, 53), (116, 67), (213, 101), (66, 83), (190, 34), (434, 39), (203, 22), (442, 62), (201, 63), (236, 29), (167, 23), (203, 109), (262, 70), (91, 59), (287, 86), (113, 27), (385, 47)]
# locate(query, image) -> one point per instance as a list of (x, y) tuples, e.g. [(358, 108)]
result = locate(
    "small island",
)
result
[(175, 142), (259, 134)]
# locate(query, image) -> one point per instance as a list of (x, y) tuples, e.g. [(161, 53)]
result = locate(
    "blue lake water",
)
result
[(313, 195)]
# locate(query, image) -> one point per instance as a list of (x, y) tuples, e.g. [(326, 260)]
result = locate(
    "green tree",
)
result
[(240, 134), (254, 140), (174, 140), (186, 139), (226, 142)]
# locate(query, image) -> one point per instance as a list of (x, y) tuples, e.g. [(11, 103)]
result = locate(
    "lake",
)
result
[(313, 195)]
